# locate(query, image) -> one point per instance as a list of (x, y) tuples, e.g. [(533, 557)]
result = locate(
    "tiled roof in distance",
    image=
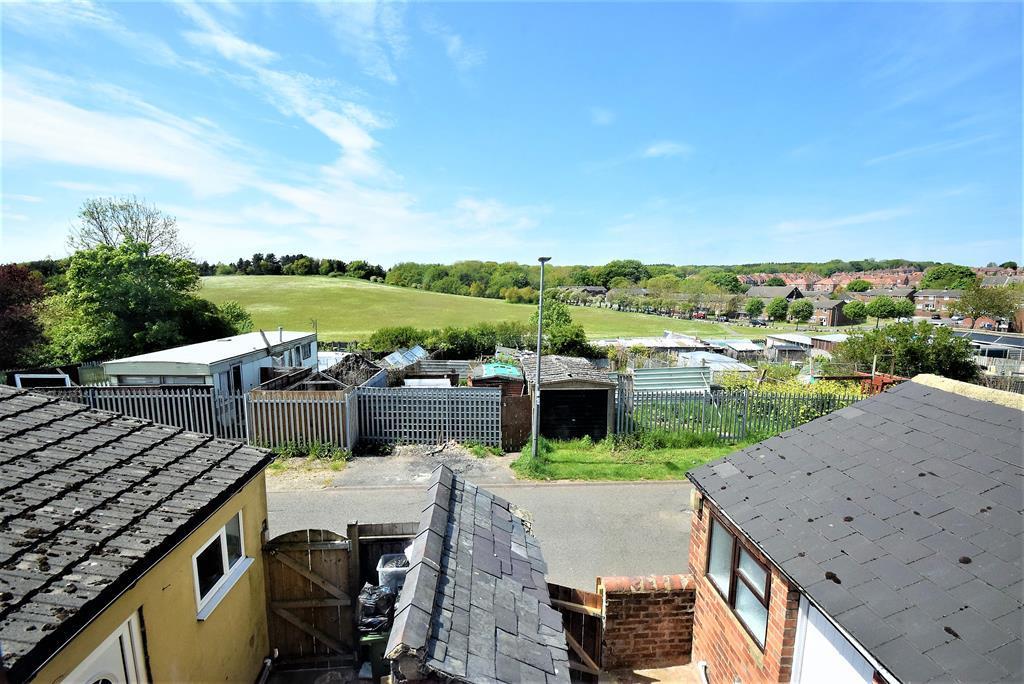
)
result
[(475, 605), (89, 501), (902, 517)]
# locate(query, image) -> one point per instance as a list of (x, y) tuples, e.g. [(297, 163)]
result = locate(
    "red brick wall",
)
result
[(720, 639), (648, 621)]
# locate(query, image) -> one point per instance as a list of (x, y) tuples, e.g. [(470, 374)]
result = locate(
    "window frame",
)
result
[(763, 595), (230, 572)]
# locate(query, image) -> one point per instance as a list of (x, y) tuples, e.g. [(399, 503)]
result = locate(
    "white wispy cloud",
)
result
[(940, 146), (600, 116), (464, 56), (353, 201), (666, 148), (372, 32), (31, 199), (40, 127), (72, 20), (861, 219), (215, 37)]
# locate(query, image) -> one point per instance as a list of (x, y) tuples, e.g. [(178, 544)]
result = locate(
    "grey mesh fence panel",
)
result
[(429, 415)]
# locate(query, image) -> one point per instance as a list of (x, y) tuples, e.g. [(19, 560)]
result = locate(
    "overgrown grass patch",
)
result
[(482, 450), (313, 453), (646, 456)]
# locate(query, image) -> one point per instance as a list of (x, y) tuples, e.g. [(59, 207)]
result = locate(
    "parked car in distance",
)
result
[(699, 315), (956, 317), (722, 319), (904, 319), (758, 323), (936, 317)]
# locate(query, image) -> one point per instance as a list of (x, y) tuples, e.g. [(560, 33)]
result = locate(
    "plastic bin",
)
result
[(391, 577), (371, 649)]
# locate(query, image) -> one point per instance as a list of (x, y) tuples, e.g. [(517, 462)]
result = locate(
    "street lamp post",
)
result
[(540, 341)]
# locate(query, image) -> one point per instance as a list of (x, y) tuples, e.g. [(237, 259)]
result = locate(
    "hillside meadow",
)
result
[(350, 309)]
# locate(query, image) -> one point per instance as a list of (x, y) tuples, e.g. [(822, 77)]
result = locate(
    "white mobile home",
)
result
[(231, 364)]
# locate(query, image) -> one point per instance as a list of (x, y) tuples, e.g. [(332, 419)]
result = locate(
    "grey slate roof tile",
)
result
[(475, 605), (90, 501), (921, 517)]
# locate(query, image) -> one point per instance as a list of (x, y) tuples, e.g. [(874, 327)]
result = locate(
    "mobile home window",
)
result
[(307, 350), (218, 564), (742, 581)]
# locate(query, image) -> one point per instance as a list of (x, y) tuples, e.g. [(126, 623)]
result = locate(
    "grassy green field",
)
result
[(349, 309)]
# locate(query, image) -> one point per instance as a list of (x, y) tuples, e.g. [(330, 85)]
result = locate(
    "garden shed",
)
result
[(505, 376), (577, 398)]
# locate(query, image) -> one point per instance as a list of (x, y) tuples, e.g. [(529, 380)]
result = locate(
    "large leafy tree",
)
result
[(754, 307), (908, 349), (855, 311), (903, 308), (947, 277), (858, 285), (774, 281), (728, 282), (113, 221), (996, 302), (124, 300), (881, 307), (21, 332), (801, 310), (777, 309)]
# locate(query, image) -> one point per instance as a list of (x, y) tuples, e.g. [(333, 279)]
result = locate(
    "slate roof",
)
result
[(555, 369), (772, 291), (894, 292), (953, 294), (825, 303), (912, 499), (89, 501), (475, 605)]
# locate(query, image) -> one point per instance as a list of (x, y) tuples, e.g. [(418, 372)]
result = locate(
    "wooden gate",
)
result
[(583, 621), (310, 609)]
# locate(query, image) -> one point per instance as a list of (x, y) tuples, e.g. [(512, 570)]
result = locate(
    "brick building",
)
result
[(829, 311), (930, 302), (878, 544)]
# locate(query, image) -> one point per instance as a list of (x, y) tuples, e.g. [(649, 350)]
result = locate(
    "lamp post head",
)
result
[(543, 260)]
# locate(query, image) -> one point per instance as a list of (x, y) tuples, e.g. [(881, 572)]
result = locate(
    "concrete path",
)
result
[(585, 529)]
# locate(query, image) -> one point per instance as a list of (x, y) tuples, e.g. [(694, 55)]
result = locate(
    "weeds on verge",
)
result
[(482, 450), (314, 452)]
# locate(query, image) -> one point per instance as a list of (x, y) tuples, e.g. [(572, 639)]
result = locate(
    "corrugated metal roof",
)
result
[(739, 345), (716, 362), (791, 337), (692, 379), (497, 370), (834, 337)]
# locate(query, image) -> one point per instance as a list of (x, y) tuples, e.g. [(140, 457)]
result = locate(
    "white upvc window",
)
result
[(218, 565)]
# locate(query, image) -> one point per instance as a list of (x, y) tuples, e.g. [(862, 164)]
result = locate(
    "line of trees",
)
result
[(293, 264)]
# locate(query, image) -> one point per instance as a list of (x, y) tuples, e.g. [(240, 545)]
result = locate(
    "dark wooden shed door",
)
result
[(569, 414)]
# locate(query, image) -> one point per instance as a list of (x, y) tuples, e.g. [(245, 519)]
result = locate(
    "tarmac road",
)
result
[(586, 529)]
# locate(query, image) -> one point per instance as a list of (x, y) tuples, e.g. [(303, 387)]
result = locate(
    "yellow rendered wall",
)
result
[(229, 645)]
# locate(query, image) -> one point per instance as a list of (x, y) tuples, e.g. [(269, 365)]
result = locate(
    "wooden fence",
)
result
[(277, 418), (728, 414), (429, 415)]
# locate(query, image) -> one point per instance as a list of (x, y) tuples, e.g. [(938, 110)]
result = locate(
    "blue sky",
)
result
[(683, 133)]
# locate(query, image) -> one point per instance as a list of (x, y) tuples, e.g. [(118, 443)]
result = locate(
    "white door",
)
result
[(825, 655), (118, 660)]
